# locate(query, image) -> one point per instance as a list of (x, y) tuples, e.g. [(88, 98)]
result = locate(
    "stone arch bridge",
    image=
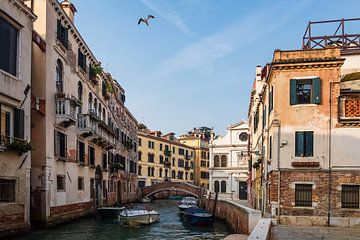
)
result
[(172, 187)]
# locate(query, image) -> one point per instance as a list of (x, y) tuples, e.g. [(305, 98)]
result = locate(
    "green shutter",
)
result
[(316, 97), (19, 123), (299, 144), (58, 30), (293, 92), (309, 144)]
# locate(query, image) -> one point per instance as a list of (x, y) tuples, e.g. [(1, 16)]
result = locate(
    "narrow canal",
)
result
[(170, 226)]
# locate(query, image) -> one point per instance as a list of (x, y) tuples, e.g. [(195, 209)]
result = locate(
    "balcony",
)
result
[(167, 164), (86, 126), (8, 143), (65, 110), (93, 115), (349, 109), (167, 153), (104, 139), (188, 157)]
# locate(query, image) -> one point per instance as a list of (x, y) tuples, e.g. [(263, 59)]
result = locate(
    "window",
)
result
[(152, 171), (8, 46), (304, 144), (223, 186), (223, 161), (139, 170), (104, 161), (91, 156), (81, 152), (303, 195), (264, 117), (256, 120), (173, 174), (216, 186), (151, 144), (11, 123), (203, 164), (191, 176), (160, 172), (305, 91), (80, 183), (161, 159), (62, 34), (60, 182), (7, 190), (216, 161), (60, 145), (92, 188), (141, 184), (204, 175), (139, 155), (81, 60), (150, 157), (243, 136), (270, 147), (271, 99), (161, 146), (350, 196), (181, 151)]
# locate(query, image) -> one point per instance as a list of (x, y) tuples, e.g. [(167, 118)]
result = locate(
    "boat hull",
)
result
[(139, 219), (197, 220), (109, 212)]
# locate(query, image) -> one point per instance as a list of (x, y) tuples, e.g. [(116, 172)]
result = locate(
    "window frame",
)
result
[(11, 196), (306, 199), (82, 187), (305, 150), (63, 182), (347, 194)]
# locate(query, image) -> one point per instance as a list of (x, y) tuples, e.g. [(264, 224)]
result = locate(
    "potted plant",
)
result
[(20, 146)]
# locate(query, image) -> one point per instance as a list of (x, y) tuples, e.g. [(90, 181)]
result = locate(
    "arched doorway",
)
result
[(98, 187)]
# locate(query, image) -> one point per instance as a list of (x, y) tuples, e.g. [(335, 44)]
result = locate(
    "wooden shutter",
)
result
[(316, 97), (65, 37), (58, 31), (56, 143), (299, 144), (293, 100), (19, 123), (309, 144)]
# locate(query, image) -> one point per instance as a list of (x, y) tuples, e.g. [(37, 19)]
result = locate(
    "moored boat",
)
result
[(109, 212), (146, 200), (189, 201), (138, 216), (197, 216), (175, 197), (183, 207)]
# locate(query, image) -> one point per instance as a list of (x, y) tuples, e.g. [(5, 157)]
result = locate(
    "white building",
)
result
[(228, 162)]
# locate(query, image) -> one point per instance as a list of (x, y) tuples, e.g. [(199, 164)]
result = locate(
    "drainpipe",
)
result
[(329, 158), (278, 124)]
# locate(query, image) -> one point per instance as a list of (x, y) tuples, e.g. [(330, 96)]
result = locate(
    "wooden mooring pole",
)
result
[(214, 208), (208, 202)]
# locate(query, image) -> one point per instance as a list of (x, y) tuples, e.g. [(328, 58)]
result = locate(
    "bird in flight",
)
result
[(145, 20)]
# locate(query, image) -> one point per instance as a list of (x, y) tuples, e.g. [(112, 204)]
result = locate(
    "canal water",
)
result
[(170, 226)]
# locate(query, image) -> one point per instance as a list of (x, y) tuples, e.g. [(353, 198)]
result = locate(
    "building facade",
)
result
[(228, 163), (84, 138), (304, 122), (163, 158), (199, 139), (16, 20)]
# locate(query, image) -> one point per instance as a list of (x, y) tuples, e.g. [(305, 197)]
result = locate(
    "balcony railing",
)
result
[(167, 152), (65, 112), (86, 125), (349, 109), (14, 144)]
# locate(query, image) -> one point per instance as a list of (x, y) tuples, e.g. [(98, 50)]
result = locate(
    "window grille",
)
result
[(7, 190), (350, 196), (303, 195)]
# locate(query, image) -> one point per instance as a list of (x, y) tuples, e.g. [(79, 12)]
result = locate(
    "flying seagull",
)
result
[(145, 20)]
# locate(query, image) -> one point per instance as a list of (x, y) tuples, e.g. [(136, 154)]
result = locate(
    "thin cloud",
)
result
[(209, 49), (164, 10)]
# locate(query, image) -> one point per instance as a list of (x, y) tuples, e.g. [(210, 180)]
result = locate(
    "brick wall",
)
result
[(12, 219), (64, 213)]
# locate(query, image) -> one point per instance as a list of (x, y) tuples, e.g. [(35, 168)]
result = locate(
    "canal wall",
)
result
[(240, 218)]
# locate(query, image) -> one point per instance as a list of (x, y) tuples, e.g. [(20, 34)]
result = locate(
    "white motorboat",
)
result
[(184, 206), (138, 216), (188, 201)]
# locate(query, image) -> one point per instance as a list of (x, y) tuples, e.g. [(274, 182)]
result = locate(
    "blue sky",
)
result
[(195, 63)]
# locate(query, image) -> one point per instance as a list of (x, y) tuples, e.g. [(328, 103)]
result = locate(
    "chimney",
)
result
[(69, 9)]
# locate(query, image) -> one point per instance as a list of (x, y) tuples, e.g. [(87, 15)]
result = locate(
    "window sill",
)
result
[(301, 207), (61, 159), (350, 209), (15, 78), (305, 105)]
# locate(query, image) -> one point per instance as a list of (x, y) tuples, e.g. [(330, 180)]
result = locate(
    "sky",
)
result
[(195, 63)]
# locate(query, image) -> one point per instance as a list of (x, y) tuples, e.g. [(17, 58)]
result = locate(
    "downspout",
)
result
[(329, 158), (278, 124)]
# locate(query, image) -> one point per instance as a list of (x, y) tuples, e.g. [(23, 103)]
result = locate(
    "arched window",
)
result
[(160, 172), (80, 95), (223, 161), (90, 101), (149, 171), (186, 175), (223, 186), (103, 115), (139, 155), (166, 173), (59, 77), (192, 165), (173, 162), (191, 176), (99, 110), (216, 186), (152, 171), (173, 174), (139, 170), (95, 106), (216, 161)]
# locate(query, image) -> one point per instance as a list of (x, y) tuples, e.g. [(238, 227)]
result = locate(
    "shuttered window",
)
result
[(304, 144), (19, 115), (305, 91), (81, 152), (271, 99), (8, 46), (62, 34), (91, 156), (60, 145), (350, 196), (81, 60)]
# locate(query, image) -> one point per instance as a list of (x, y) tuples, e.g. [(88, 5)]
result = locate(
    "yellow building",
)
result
[(163, 158), (198, 138)]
